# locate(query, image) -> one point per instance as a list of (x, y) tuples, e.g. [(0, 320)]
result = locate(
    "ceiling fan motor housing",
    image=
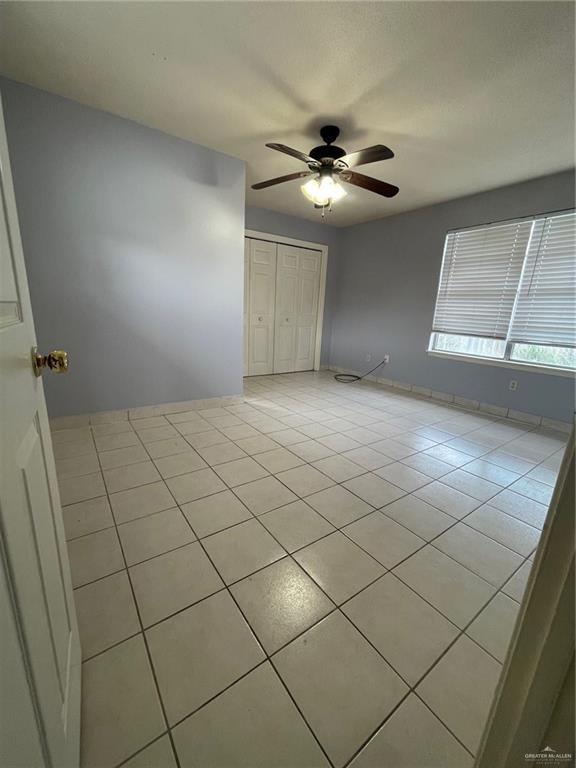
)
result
[(327, 151)]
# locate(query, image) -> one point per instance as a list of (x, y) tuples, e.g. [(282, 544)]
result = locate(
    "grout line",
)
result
[(139, 751)]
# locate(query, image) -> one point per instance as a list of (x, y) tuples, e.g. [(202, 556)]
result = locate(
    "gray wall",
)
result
[(383, 299), (274, 223), (134, 249)]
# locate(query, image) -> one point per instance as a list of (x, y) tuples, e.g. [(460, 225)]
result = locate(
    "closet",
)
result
[(281, 302)]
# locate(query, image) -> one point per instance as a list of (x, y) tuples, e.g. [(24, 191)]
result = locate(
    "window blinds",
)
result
[(545, 311), (479, 280)]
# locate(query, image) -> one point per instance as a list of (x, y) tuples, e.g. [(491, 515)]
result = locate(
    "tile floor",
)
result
[(318, 575)]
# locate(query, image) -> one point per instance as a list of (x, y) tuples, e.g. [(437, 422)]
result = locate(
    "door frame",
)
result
[(527, 708), (281, 240)]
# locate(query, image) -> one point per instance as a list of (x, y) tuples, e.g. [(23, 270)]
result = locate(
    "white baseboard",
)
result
[(460, 402), (142, 412)]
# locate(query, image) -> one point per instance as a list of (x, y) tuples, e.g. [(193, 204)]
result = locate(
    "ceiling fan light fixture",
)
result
[(323, 191)]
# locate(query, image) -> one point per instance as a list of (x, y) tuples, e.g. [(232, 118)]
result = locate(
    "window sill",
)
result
[(529, 367)]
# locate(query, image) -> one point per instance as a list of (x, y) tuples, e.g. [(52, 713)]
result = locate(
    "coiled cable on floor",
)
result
[(350, 378)]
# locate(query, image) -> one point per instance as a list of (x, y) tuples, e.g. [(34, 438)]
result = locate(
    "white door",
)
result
[(297, 291), (261, 299), (40, 649), (245, 319)]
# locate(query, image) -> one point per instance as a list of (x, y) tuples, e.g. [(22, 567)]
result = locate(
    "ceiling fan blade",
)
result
[(372, 185), (293, 153), (281, 179), (369, 155)]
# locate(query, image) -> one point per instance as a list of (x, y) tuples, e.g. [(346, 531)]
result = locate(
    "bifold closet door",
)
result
[(297, 290), (261, 301)]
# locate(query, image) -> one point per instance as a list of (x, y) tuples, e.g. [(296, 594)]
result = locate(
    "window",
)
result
[(507, 292)]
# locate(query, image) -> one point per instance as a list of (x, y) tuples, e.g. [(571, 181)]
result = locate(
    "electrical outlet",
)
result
[(369, 357), (513, 385), (386, 359)]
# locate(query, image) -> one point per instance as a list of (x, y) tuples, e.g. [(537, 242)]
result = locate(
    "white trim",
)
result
[(271, 238), (565, 372)]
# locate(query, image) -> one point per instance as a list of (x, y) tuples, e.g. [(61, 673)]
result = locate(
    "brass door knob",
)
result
[(57, 361)]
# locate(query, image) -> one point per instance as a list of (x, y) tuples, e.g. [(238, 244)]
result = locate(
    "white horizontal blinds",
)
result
[(480, 274), (545, 311)]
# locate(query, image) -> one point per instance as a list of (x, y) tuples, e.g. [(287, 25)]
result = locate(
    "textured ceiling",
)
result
[(469, 95)]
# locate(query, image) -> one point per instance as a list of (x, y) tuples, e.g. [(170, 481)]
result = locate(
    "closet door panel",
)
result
[(245, 317), (284, 347), (262, 290), (287, 289), (305, 339)]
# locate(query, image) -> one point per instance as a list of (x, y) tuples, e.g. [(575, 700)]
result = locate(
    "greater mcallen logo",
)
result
[(548, 756)]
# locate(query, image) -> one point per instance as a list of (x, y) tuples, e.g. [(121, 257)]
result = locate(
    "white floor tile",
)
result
[(413, 738), (406, 478), (120, 708), (516, 586), (94, 556), (262, 728), (367, 458), (342, 685), (339, 468), (191, 653), (485, 557), (106, 613), (493, 627), (138, 502), (278, 460), (261, 496), (122, 457), (173, 581), (280, 602), (214, 513), (418, 516), (158, 755), (179, 463), (154, 534), (383, 538), (242, 550), (122, 478), (340, 567), (75, 489), (240, 471), (505, 529), (449, 500), (529, 511), (471, 485), (338, 505), (408, 631), (460, 688), (454, 590), (195, 485), (296, 525), (304, 480), (87, 517), (374, 490)]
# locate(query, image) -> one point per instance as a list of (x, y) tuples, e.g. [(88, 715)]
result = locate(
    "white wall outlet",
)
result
[(386, 359), (513, 385), (369, 357)]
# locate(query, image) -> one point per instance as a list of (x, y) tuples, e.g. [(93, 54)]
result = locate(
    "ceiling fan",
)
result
[(328, 165)]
